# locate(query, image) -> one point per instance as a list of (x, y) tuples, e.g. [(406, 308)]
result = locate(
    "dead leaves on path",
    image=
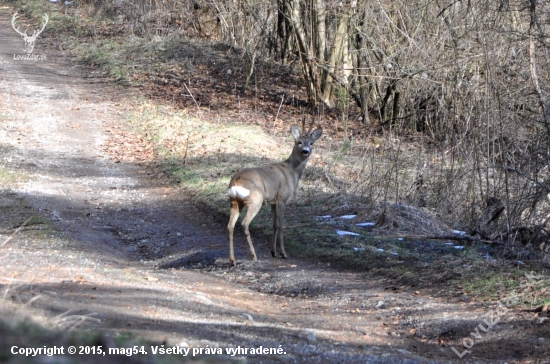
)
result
[(127, 147)]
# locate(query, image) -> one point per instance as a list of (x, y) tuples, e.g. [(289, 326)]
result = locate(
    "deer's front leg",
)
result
[(275, 229), (280, 211)]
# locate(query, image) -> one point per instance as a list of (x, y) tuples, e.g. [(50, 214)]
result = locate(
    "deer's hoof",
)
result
[(232, 262), (283, 256), (253, 257), (273, 253)]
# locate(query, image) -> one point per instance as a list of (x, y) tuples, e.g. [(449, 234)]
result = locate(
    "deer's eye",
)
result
[(299, 143)]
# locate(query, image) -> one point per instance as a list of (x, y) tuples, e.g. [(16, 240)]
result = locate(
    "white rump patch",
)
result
[(238, 192)]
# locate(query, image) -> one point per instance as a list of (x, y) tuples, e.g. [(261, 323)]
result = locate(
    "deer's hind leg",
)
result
[(236, 208), (253, 207)]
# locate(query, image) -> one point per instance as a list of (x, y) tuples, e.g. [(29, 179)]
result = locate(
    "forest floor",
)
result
[(113, 246)]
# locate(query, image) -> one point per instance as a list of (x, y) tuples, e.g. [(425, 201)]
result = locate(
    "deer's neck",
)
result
[(297, 164)]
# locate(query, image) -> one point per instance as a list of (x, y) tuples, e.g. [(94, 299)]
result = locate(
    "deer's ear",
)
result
[(317, 134), (295, 131)]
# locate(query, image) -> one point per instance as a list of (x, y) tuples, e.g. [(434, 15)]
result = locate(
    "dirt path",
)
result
[(128, 249)]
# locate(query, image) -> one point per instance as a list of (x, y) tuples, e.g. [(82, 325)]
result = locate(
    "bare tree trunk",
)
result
[(320, 30), (319, 75), (309, 70), (283, 28), (340, 41), (533, 66), (361, 66)]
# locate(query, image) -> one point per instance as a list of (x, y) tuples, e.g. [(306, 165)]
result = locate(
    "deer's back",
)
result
[(276, 182)]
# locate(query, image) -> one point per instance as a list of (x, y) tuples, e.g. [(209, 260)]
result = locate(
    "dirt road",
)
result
[(129, 253)]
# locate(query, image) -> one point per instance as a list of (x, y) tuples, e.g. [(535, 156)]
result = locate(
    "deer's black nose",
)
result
[(305, 151)]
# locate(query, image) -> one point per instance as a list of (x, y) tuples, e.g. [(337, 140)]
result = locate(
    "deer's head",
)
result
[(303, 141), (29, 39)]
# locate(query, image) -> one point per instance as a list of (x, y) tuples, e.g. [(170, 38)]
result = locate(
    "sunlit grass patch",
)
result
[(6, 177), (516, 286), (202, 155)]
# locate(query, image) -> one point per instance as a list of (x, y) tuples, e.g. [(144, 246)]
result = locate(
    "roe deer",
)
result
[(274, 184)]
